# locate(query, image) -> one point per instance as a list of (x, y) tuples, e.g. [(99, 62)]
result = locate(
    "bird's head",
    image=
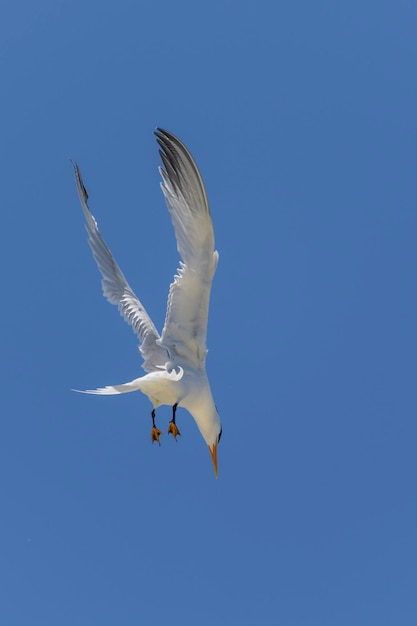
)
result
[(211, 429), (213, 451), (205, 413)]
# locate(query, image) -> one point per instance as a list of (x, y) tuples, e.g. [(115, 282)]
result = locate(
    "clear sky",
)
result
[(302, 118)]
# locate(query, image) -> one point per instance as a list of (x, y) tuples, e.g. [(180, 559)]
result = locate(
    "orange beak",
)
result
[(213, 452)]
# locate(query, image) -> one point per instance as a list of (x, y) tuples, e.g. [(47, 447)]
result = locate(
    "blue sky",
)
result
[(302, 118)]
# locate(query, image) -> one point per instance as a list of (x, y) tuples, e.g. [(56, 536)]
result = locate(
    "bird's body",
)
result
[(175, 360)]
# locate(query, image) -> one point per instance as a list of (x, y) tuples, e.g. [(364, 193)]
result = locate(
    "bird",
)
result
[(175, 360)]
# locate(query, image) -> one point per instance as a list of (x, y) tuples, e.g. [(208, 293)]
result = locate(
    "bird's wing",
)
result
[(117, 290), (185, 329)]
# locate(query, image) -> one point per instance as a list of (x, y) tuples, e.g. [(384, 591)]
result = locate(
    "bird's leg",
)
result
[(173, 428), (155, 431)]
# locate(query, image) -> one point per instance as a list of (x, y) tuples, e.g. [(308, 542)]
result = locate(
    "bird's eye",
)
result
[(220, 434)]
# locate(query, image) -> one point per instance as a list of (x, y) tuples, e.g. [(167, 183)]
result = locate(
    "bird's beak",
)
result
[(213, 452)]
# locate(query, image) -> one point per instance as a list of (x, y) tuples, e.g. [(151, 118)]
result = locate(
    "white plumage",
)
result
[(174, 360)]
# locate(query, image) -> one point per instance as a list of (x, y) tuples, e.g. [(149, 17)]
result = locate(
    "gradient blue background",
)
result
[(302, 118)]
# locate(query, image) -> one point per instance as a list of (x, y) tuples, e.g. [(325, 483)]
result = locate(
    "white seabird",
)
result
[(175, 360)]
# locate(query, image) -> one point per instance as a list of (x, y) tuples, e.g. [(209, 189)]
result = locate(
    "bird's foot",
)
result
[(156, 433), (173, 429)]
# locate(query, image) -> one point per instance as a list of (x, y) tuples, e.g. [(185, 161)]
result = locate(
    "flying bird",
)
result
[(175, 361)]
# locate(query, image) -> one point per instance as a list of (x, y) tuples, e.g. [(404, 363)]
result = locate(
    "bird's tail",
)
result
[(110, 390)]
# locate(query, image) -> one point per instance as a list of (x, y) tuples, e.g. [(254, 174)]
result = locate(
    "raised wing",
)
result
[(185, 329), (117, 290)]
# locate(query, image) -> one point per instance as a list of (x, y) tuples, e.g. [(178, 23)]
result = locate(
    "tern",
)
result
[(175, 361)]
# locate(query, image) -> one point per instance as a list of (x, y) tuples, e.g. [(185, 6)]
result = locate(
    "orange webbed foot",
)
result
[(156, 433), (173, 430)]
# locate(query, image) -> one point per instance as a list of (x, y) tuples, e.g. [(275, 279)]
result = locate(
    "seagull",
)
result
[(175, 361)]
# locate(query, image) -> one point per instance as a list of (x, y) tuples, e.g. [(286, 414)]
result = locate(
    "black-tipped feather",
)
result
[(181, 169)]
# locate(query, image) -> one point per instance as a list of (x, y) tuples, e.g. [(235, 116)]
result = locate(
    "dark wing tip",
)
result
[(179, 164), (79, 180), (174, 155), (170, 144), (161, 133), (173, 147)]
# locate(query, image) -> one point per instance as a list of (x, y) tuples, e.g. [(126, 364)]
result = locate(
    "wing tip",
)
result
[(79, 181)]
